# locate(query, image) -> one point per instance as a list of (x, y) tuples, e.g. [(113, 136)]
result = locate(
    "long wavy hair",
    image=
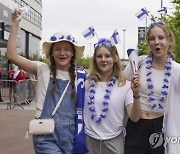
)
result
[(53, 69)]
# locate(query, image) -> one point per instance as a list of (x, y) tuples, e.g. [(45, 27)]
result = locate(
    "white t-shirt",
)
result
[(113, 124), (43, 75), (157, 79)]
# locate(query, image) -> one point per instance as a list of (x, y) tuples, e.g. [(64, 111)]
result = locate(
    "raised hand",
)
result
[(17, 16), (135, 85)]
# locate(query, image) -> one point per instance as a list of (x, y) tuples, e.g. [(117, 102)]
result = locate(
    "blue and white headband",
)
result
[(103, 42), (156, 23)]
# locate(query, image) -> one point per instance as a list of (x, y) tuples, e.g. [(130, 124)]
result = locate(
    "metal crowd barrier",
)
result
[(17, 93), (31, 90)]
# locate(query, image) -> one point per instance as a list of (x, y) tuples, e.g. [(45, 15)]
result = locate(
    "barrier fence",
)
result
[(18, 93)]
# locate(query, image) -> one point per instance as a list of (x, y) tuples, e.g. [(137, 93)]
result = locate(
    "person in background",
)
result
[(108, 99), (19, 75), (157, 75), (62, 49), (18, 78), (11, 72), (31, 84)]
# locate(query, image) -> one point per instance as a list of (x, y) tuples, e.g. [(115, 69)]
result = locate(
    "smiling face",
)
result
[(62, 53), (158, 42), (104, 61)]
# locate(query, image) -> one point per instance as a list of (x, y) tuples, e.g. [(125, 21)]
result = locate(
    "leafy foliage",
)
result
[(143, 48), (173, 22), (85, 62)]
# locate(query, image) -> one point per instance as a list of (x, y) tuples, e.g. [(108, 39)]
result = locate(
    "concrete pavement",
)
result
[(13, 127)]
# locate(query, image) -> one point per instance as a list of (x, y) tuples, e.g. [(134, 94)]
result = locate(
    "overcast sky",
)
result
[(75, 16)]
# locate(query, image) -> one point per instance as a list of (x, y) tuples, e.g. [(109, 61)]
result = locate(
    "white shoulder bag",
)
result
[(45, 126)]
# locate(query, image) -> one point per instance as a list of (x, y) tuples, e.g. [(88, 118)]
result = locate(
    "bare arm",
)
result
[(134, 109), (12, 54)]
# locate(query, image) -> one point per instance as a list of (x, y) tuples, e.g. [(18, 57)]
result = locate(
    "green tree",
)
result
[(45, 60), (85, 62), (173, 22), (143, 48)]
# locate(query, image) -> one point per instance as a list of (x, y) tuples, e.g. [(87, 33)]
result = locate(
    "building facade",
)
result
[(30, 29)]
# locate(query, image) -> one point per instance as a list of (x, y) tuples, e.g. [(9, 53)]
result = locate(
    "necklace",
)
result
[(105, 101), (166, 81)]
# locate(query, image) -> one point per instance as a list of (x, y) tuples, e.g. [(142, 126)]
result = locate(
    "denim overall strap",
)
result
[(60, 99), (67, 104)]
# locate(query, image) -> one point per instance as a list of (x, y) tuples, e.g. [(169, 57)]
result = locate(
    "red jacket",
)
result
[(21, 76), (10, 74)]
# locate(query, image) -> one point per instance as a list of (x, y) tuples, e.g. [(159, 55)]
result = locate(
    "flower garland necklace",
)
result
[(105, 101), (166, 82)]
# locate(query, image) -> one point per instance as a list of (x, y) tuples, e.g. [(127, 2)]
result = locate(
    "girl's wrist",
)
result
[(15, 25), (136, 96)]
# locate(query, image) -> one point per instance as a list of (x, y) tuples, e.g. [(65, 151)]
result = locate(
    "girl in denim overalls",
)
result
[(62, 50), (62, 139)]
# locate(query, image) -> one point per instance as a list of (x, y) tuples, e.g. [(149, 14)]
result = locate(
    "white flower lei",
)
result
[(166, 82), (105, 101)]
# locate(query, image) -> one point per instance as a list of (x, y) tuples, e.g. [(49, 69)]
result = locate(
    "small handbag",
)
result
[(41, 126), (45, 126)]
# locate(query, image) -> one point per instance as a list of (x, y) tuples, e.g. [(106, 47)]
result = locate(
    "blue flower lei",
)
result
[(166, 82), (105, 101)]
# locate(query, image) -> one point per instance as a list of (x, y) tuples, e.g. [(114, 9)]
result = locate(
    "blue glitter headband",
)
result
[(156, 23), (103, 42)]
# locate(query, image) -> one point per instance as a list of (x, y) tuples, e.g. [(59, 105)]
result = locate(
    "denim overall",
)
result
[(62, 140)]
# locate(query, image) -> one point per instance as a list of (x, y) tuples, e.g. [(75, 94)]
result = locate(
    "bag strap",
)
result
[(60, 100)]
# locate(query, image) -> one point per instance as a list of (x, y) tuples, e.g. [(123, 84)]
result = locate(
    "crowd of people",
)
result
[(14, 77), (124, 113)]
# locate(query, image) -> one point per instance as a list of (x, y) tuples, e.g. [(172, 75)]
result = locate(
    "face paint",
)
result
[(110, 60), (164, 42)]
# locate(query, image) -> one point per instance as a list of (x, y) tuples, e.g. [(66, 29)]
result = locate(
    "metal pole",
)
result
[(90, 52), (145, 27), (161, 7), (124, 30)]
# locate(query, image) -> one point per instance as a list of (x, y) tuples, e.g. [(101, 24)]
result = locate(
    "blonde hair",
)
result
[(117, 68)]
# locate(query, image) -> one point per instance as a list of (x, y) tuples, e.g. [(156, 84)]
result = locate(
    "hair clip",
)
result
[(156, 23)]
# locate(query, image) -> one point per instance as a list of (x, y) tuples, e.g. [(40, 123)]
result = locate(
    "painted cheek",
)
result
[(110, 60), (164, 43)]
